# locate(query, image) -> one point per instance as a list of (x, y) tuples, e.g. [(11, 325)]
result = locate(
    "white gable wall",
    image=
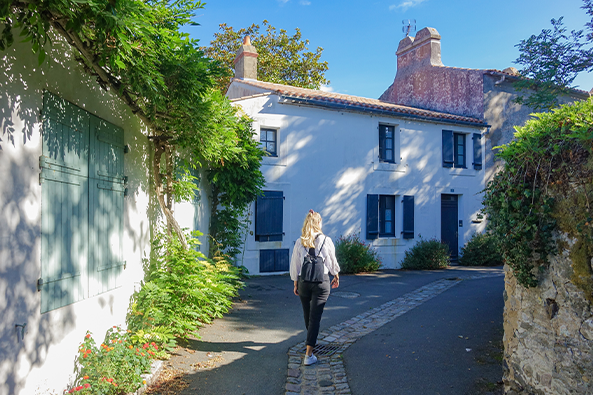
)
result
[(328, 162)]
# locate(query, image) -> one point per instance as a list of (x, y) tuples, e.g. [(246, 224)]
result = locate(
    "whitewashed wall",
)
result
[(44, 361), (328, 162)]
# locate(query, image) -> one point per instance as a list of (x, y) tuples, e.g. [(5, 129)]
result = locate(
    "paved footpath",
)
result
[(328, 375), (257, 348)]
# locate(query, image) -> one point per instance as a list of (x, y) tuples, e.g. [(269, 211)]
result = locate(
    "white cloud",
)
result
[(405, 4), (326, 88), (305, 2)]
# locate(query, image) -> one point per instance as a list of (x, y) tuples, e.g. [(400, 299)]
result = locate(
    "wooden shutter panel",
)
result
[(372, 217), (266, 261), (64, 203), (448, 151), (106, 206), (269, 216), (408, 232), (281, 262), (382, 143), (477, 140)]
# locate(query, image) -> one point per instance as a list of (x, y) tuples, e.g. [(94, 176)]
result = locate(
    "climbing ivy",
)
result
[(544, 187)]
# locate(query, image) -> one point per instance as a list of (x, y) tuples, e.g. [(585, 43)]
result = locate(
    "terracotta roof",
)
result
[(338, 100)]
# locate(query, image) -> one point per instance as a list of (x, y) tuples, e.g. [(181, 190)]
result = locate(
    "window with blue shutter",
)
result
[(386, 143), (268, 216), (459, 149), (408, 232), (454, 149), (82, 204), (380, 220), (477, 143)]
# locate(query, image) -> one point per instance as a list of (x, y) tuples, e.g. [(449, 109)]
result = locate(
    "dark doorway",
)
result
[(449, 224)]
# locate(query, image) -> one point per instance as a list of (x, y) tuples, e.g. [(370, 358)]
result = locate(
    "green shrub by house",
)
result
[(356, 256), (182, 289), (481, 250), (427, 255)]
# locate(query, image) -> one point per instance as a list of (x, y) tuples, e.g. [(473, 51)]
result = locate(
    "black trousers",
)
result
[(313, 297)]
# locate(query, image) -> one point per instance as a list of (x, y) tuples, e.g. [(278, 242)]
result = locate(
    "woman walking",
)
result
[(313, 289)]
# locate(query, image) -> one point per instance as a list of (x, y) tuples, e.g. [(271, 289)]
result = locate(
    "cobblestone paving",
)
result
[(328, 375)]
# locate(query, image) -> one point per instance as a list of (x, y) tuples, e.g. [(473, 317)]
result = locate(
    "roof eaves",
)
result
[(376, 109)]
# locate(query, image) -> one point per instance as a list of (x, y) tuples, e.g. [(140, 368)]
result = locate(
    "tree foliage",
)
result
[(135, 49), (552, 60), (544, 187), (282, 58)]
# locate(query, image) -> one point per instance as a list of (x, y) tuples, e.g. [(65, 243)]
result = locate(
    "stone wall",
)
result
[(548, 334)]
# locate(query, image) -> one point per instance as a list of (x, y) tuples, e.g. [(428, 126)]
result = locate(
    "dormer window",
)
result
[(268, 138)]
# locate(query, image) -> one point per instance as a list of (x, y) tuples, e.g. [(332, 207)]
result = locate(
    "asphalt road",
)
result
[(418, 353)]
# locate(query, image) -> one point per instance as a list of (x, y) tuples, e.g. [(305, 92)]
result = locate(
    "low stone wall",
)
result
[(548, 334)]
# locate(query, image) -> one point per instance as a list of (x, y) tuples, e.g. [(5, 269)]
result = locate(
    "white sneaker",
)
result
[(309, 360)]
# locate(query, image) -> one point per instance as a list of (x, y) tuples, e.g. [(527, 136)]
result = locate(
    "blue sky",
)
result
[(360, 38)]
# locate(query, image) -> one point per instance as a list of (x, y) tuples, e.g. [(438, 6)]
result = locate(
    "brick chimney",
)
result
[(420, 51), (246, 61)]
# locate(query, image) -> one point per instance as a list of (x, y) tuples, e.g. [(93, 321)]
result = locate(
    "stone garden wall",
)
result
[(548, 334)]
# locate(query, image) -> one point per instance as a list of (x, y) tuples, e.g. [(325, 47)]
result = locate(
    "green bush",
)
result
[(427, 255), (481, 250), (182, 289), (355, 256)]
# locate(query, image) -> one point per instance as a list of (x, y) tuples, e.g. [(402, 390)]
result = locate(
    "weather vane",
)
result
[(409, 26)]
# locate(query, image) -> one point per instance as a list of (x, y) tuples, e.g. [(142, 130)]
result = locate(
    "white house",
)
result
[(392, 173), (76, 215)]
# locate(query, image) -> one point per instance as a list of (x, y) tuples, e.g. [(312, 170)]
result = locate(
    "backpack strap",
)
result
[(312, 250)]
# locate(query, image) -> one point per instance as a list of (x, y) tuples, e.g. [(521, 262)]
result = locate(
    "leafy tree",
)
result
[(135, 49), (282, 58), (552, 60)]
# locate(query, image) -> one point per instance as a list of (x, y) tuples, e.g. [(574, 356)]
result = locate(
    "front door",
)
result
[(449, 224)]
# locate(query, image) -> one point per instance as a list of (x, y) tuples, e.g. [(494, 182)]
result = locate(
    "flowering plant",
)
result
[(114, 367)]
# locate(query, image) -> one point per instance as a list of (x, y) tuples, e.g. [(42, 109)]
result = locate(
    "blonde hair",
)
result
[(311, 226)]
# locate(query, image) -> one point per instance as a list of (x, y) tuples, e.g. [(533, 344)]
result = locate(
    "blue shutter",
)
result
[(106, 206), (281, 262), (64, 203), (382, 143), (266, 261), (372, 217), (408, 232), (448, 151), (477, 151), (269, 216)]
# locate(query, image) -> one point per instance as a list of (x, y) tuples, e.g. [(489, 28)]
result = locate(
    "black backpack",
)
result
[(312, 270)]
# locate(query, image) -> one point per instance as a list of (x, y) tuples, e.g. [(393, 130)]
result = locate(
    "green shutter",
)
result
[(106, 206), (64, 203)]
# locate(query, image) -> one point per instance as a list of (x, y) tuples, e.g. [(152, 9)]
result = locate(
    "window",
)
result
[(386, 143), (380, 219), (268, 216), (273, 261), (268, 140), (454, 151), (82, 210)]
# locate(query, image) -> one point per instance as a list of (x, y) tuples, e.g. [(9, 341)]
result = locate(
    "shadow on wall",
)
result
[(22, 83)]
